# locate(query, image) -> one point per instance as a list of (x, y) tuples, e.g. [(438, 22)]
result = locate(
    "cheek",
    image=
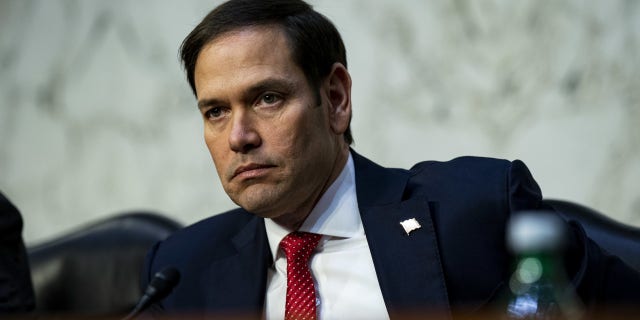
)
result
[(281, 135), (294, 143), (306, 129), (283, 139), (215, 145)]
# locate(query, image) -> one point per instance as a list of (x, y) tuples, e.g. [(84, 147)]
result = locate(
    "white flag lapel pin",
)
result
[(410, 225)]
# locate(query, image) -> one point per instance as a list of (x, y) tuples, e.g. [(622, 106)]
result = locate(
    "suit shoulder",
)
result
[(466, 163), (220, 225), (465, 168), (466, 174), (213, 232)]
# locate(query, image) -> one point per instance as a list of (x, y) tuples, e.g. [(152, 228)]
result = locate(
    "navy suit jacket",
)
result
[(456, 260)]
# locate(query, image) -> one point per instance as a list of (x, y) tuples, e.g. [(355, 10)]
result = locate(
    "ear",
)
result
[(338, 89)]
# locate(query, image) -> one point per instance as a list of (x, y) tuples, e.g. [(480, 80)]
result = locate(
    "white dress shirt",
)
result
[(344, 276)]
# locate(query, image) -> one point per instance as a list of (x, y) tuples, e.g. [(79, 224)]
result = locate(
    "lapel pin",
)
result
[(410, 225)]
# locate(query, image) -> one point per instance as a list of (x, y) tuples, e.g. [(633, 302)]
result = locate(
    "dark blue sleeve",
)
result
[(524, 192), (603, 281)]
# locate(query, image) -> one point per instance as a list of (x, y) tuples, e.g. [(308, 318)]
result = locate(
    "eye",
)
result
[(270, 98), (213, 113)]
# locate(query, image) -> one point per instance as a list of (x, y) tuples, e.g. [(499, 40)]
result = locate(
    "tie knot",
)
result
[(299, 245)]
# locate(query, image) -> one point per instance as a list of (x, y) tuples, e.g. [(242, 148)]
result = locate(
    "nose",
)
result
[(243, 136)]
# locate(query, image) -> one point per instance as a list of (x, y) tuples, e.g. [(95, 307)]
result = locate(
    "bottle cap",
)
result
[(535, 231)]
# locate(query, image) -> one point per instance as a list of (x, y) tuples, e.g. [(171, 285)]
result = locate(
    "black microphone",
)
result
[(160, 286)]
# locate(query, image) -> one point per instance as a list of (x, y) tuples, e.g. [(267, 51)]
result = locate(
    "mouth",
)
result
[(251, 170)]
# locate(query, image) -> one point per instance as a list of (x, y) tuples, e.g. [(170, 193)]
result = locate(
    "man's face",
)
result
[(275, 150)]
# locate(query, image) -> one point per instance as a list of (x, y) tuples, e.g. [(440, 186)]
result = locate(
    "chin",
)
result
[(259, 205), (266, 199)]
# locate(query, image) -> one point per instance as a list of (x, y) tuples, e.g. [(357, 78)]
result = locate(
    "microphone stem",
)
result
[(142, 304)]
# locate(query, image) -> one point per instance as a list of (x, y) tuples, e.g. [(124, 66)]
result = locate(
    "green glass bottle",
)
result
[(538, 287)]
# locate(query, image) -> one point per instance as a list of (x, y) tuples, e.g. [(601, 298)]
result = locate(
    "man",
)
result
[(272, 85), (16, 291)]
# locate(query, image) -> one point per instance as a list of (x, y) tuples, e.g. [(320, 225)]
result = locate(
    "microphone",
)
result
[(160, 286)]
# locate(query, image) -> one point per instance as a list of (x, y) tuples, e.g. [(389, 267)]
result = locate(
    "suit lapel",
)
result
[(242, 276), (408, 266)]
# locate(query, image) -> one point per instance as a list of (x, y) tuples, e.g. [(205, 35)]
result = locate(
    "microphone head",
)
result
[(162, 283)]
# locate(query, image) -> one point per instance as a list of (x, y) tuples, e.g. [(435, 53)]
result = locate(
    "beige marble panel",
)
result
[(96, 118)]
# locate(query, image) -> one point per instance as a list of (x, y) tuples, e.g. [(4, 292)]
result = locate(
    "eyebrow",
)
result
[(278, 84), (208, 102)]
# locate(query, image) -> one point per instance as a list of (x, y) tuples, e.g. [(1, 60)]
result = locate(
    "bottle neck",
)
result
[(540, 266)]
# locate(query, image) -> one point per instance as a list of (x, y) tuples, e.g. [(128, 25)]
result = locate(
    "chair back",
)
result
[(95, 270)]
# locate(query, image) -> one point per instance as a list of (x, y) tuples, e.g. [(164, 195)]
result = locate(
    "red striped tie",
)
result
[(301, 294)]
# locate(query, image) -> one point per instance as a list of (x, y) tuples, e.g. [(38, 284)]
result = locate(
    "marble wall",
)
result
[(96, 118)]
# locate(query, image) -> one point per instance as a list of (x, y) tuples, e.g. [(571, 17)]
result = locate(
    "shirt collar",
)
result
[(336, 214)]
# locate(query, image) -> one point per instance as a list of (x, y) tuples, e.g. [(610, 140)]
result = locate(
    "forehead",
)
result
[(242, 55)]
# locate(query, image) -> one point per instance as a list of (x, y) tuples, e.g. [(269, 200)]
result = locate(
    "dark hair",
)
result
[(315, 42)]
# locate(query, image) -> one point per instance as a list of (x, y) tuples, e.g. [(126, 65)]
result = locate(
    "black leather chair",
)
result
[(615, 237), (95, 270)]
